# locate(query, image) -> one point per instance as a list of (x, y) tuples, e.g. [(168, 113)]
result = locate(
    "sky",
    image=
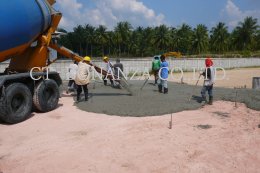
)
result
[(156, 12)]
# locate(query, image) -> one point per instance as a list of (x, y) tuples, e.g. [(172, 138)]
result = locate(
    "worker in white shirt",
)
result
[(73, 68), (109, 69)]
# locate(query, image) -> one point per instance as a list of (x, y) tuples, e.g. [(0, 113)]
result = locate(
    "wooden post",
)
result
[(170, 123), (236, 99), (256, 83)]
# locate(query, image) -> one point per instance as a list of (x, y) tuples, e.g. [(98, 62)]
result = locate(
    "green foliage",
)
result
[(246, 53), (244, 35), (126, 41), (200, 39), (219, 38)]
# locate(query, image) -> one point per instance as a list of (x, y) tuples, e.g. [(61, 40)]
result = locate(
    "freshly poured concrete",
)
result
[(149, 102)]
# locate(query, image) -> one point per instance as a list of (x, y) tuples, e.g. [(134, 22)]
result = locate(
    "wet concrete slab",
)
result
[(149, 102)]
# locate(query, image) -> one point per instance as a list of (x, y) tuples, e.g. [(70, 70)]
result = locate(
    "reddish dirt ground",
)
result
[(69, 140)]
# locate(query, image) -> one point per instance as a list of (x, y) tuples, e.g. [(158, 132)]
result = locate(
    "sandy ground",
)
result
[(233, 78), (69, 140)]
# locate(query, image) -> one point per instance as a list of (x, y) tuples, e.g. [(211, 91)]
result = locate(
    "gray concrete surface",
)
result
[(148, 102)]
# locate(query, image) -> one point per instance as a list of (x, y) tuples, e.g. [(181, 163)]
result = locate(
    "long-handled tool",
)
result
[(194, 88), (145, 82)]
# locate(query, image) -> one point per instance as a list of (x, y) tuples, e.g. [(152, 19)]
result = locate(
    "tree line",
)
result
[(126, 41)]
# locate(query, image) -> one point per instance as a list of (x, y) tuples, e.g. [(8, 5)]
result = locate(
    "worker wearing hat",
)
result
[(83, 77), (163, 75), (109, 69), (156, 64), (209, 76)]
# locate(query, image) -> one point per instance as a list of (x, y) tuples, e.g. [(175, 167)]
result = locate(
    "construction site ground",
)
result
[(84, 138)]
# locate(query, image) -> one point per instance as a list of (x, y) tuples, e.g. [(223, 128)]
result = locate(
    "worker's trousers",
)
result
[(79, 90), (163, 83), (208, 89), (105, 81), (72, 84), (156, 76)]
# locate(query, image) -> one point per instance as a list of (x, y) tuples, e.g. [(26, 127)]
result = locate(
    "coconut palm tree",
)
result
[(173, 43), (101, 37), (139, 38), (184, 38), (122, 33), (245, 33), (110, 42), (219, 38), (200, 39), (79, 34), (148, 36), (257, 38), (65, 40), (162, 37), (89, 38)]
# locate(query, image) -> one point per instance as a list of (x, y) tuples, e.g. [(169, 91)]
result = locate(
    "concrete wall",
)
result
[(131, 65)]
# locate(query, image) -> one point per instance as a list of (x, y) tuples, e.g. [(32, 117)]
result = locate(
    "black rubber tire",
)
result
[(46, 96), (16, 105)]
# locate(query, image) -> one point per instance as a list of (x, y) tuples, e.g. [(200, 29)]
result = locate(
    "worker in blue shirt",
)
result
[(163, 75)]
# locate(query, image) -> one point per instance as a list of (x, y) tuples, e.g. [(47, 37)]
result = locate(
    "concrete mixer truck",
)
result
[(25, 38)]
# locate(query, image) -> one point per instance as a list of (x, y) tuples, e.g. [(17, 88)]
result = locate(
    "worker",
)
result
[(72, 74), (209, 77), (109, 69), (163, 75), (118, 69), (83, 77), (155, 68)]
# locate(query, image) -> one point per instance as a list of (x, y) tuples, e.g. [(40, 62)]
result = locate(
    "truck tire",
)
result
[(16, 104), (46, 96)]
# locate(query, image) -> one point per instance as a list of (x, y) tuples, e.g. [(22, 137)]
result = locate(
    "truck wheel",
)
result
[(16, 105), (46, 96)]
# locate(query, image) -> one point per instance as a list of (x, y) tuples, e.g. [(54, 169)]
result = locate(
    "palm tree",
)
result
[(219, 38), (111, 41), (79, 33), (139, 34), (143, 41), (246, 32), (89, 37), (148, 36), (257, 38), (133, 43), (173, 35), (64, 39), (200, 39), (122, 33), (162, 37), (184, 38), (101, 37)]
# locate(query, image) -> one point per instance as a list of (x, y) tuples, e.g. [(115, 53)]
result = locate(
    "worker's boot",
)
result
[(160, 88), (165, 90), (112, 83), (78, 97), (210, 100), (86, 95), (105, 82), (203, 100)]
